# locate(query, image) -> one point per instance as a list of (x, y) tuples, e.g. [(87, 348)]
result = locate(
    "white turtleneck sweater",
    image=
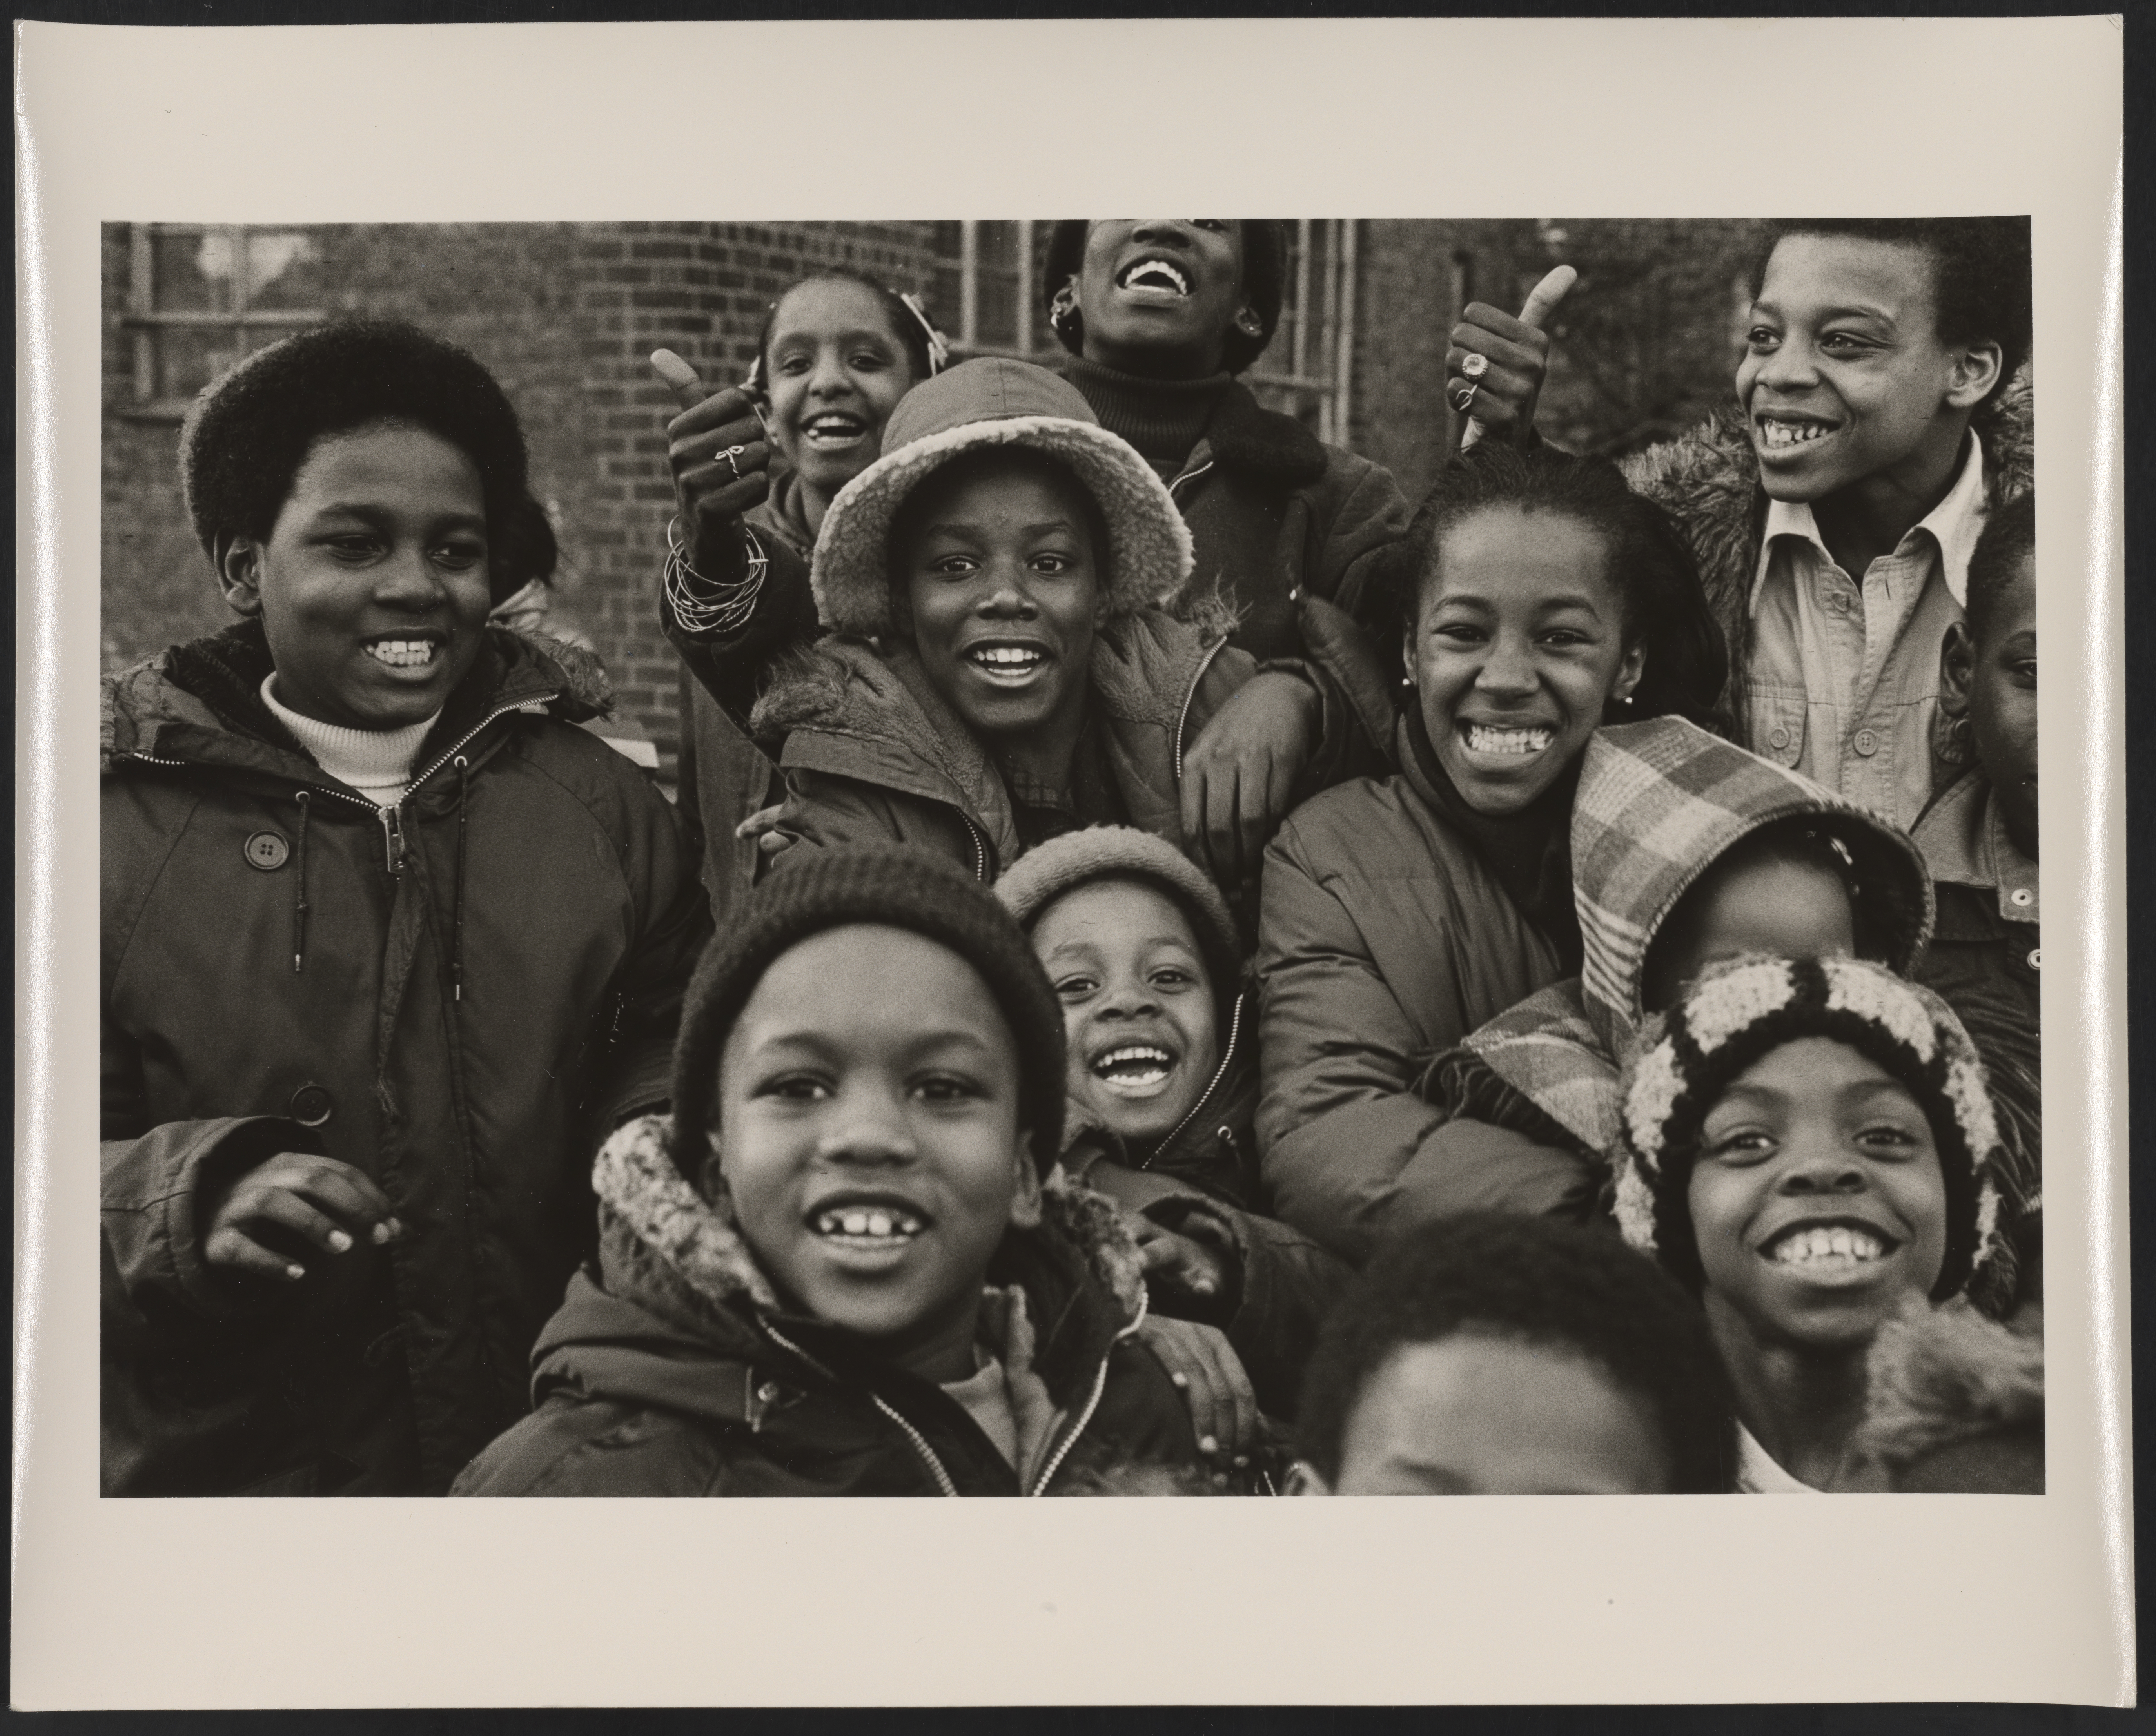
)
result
[(377, 763)]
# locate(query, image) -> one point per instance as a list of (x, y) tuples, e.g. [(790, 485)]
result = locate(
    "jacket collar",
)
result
[(1963, 837), (201, 701), (866, 709), (1952, 527), (1245, 436), (676, 1254)]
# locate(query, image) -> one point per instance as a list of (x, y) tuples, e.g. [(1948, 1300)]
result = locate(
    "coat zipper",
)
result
[(1227, 1055), (927, 1453), (1183, 718), (1187, 476), (980, 846), (1092, 1404)]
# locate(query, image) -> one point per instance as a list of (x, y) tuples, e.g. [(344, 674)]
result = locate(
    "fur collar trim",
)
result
[(654, 1224)]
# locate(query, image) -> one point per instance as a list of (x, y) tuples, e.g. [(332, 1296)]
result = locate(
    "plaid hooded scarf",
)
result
[(1659, 802)]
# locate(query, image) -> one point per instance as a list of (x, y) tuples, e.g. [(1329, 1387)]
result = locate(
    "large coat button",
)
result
[(265, 851), (311, 1106)]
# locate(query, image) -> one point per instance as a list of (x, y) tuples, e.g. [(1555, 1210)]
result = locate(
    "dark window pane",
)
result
[(192, 271), (189, 357)]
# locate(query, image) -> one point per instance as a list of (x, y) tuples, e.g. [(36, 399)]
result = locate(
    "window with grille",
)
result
[(986, 297), (201, 296)]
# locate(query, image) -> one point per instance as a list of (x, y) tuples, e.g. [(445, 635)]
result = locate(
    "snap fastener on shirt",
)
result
[(1866, 743), (311, 1106), (265, 851), (1778, 736), (2036, 958), (2022, 896)]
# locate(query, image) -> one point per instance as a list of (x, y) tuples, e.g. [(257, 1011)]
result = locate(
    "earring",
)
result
[(1250, 323), (1063, 316), (1952, 739)]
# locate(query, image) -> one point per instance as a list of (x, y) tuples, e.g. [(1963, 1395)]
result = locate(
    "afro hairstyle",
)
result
[(1533, 1280), (250, 429), (2009, 538)]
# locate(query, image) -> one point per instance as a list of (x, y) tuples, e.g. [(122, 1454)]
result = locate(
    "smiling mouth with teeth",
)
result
[(1134, 1067), (834, 431), (1008, 662), (867, 1224), (1486, 738), (403, 653), (1779, 435), (1829, 1247), (1156, 275)]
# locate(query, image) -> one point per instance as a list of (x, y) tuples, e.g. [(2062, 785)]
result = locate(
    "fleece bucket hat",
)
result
[(979, 405)]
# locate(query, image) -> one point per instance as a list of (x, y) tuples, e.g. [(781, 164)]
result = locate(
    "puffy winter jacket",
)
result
[(457, 996), (1658, 803), (873, 754), (1385, 937), (672, 1369)]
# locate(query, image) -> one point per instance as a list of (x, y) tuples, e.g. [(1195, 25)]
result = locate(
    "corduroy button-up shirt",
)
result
[(1845, 674)]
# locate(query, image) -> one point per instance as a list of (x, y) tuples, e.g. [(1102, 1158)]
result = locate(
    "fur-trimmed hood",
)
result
[(1708, 481), (1955, 1401), (673, 1255), (857, 709), (201, 701)]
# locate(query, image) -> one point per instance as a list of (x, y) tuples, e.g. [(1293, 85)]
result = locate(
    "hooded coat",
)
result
[(1708, 481), (1659, 802), (1386, 936), (457, 996), (673, 1370), (873, 754)]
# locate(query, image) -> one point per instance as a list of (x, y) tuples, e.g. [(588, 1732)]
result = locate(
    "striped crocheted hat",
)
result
[(1744, 1010)]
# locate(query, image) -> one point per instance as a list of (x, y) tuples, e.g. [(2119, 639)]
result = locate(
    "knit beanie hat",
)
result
[(992, 401), (1745, 1009), (1044, 873), (1265, 282), (893, 886)]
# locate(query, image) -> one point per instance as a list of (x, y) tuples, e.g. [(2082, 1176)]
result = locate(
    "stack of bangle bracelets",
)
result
[(709, 608)]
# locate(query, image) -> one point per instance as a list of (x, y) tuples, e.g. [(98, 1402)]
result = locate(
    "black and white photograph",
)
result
[(1119, 856), (866, 855)]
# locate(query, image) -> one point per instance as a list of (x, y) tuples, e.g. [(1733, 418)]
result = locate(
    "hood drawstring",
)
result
[(306, 799), (457, 916)]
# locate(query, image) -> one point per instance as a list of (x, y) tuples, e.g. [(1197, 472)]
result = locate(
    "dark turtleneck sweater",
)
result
[(1162, 419)]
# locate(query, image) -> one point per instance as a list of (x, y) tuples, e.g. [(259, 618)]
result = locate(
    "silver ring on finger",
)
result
[(1474, 365), (1463, 395), (732, 456)]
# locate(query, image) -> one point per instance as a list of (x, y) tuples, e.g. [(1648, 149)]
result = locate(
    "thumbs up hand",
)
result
[(720, 459), (1514, 362)]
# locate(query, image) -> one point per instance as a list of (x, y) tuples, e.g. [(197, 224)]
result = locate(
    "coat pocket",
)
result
[(1775, 723)]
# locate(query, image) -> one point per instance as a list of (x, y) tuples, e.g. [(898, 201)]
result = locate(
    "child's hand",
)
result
[(329, 1204), (1184, 1268), (712, 491), (1239, 776), (1515, 361), (1223, 1409), (761, 827)]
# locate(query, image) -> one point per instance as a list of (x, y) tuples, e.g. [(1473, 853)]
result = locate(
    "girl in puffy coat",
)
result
[(1540, 597), (388, 945)]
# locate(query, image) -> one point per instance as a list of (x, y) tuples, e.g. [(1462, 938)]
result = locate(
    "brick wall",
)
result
[(565, 314)]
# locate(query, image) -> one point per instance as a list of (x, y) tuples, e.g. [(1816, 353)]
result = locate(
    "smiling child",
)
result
[(1163, 1080), (1539, 598), (1808, 1146), (1687, 851), (389, 945), (999, 670), (1489, 1354), (837, 351), (837, 1268), (1979, 838)]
